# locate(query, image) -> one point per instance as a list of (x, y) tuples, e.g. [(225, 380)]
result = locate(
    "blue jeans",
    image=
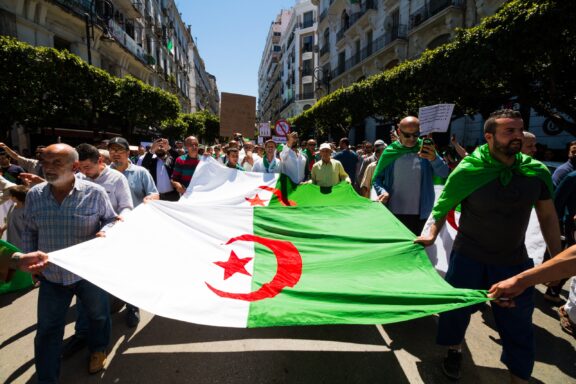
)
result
[(514, 324), (53, 303)]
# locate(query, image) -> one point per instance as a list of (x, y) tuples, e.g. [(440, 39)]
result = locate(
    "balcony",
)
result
[(126, 41), (397, 33), (131, 8), (432, 8), (340, 34), (306, 96), (307, 24), (368, 6)]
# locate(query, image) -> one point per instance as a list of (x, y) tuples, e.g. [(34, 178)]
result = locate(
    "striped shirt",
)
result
[(184, 169), (51, 226)]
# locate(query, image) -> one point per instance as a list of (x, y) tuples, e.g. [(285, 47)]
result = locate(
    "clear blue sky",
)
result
[(231, 35)]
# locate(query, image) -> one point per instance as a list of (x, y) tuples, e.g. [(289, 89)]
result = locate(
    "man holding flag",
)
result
[(496, 186)]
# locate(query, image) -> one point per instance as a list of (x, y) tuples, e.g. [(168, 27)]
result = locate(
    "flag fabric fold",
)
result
[(251, 250)]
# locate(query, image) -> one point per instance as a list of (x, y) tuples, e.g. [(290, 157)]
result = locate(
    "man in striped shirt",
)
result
[(62, 212), (185, 165)]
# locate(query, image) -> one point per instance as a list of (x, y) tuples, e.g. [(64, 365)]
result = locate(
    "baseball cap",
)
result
[(325, 146), (379, 142), (119, 141)]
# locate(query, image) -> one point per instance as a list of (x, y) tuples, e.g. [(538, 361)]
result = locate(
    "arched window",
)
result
[(345, 20), (391, 64), (438, 41)]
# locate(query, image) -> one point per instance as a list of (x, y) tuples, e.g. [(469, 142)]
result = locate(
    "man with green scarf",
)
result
[(496, 186), (403, 178)]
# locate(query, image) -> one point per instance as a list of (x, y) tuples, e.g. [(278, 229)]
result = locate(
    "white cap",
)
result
[(325, 146)]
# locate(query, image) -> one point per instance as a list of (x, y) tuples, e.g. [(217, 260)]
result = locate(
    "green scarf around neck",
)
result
[(393, 152), (480, 168)]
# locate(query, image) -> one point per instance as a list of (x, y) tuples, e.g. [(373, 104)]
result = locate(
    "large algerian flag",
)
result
[(248, 250)]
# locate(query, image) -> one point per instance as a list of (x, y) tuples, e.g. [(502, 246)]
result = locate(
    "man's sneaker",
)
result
[(97, 362), (73, 345), (451, 366), (132, 316)]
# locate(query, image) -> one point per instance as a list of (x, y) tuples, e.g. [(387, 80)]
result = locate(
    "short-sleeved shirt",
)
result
[(494, 220), (140, 181), (328, 175), (184, 169), (51, 226)]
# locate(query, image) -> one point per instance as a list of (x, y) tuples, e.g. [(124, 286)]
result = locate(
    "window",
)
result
[(369, 38), (341, 62), (308, 91), (277, 48), (357, 52), (307, 68), (61, 44), (308, 43), (308, 19)]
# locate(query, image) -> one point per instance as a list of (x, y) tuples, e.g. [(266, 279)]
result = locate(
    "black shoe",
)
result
[(451, 366), (115, 304), (132, 316), (552, 295), (73, 345)]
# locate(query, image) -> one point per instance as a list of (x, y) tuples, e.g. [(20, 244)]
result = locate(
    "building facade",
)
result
[(269, 90), (358, 39), (299, 60), (146, 39)]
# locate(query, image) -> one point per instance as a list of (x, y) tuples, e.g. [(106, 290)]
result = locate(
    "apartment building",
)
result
[(269, 71), (146, 39), (299, 60), (360, 38)]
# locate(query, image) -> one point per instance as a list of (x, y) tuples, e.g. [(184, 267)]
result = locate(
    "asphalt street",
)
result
[(161, 350)]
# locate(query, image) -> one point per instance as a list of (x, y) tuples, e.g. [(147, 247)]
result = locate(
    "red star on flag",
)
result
[(233, 265), (256, 200)]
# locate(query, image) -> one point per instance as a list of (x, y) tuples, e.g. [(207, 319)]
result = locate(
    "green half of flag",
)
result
[(18, 280), (359, 264)]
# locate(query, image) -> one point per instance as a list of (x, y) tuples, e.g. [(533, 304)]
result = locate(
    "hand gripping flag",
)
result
[(244, 249)]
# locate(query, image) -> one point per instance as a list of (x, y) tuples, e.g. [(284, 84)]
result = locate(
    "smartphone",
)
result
[(426, 141)]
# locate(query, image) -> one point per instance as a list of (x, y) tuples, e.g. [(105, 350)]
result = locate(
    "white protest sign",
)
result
[(435, 118), (264, 130)]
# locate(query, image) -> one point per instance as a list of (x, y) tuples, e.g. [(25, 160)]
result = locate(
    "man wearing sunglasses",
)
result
[(403, 177)]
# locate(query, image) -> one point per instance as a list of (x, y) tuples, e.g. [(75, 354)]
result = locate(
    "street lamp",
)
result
[(322, 78)]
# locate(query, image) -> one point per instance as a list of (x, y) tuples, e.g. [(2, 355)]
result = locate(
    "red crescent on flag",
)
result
[(279, 195), (451, 219), (288, 271)]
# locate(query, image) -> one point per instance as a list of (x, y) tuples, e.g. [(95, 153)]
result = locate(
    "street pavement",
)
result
[(161, 350)]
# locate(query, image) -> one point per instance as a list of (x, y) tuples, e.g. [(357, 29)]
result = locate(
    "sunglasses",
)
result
[(409, 135)]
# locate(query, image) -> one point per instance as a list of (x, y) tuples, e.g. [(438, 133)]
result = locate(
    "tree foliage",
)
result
[(44, 87), (202, 124), (525, 52)]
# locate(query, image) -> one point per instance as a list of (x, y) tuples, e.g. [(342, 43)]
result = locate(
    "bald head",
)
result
[(409, 121), (409, 131), (63, 150), (59, 162)]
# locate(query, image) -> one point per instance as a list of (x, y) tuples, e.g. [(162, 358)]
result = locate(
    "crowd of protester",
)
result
[(67, 195)]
